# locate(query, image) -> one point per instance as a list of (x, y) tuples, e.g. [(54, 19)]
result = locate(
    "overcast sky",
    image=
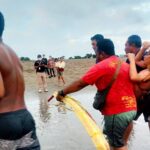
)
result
[(64, 27)]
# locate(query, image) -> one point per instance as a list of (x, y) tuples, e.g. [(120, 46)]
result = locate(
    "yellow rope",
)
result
[(89, 124)]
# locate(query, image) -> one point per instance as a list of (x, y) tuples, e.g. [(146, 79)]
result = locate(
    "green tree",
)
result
[(88, 56), (77, 57), (70, 57), (25, 59)]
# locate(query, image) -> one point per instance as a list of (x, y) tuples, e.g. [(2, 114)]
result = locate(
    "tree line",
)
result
[(87, 56), (84, 57)]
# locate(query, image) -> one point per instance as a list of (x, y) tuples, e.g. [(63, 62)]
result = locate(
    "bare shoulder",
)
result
[(144, 73), (8, 57)]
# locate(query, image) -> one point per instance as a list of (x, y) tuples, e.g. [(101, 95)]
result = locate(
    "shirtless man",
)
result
[(17, 127)]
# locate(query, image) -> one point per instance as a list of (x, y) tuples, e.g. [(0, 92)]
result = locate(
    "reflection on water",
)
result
[(43, 111), (59, 129)]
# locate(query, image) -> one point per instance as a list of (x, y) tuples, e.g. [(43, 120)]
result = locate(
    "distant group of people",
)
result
[(49, 68)]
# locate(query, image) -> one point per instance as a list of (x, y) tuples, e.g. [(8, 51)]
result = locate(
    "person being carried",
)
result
[(17, 127), (39, 66), (120, 107)]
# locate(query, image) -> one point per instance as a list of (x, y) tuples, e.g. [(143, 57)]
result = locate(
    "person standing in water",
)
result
[(17, 127), (60, 66), (39, 66), (120, 108)]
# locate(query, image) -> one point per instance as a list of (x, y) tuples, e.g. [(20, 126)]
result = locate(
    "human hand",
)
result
[(131, 56), (146, 45), (147, 78), (60, 95), (59, 98)]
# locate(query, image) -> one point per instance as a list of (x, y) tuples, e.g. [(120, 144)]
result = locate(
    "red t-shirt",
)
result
[(121, 97)]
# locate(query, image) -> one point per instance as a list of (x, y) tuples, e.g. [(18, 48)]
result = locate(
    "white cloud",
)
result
[(64, 27)]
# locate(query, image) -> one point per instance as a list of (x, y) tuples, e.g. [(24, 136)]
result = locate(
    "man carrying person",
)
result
[(120, 108), (39, 66), (17, 127), (133, 45)]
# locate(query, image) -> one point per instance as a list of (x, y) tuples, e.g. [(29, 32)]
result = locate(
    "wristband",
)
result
[(61, 93)]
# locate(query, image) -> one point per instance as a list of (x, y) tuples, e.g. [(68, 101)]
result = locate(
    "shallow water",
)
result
[(59, 129)]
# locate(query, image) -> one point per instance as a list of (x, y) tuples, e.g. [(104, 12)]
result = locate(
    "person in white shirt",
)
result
[(60, 66)]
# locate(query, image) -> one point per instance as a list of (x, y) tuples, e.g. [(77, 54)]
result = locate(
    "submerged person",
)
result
[(142, 78), (17, 127), (60, 66), (133, 45), (120, 108), (39, 66)]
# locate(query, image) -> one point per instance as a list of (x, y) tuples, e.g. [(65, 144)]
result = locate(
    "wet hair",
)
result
[(106, 46), (39, 56), (135, 40), (2, 24), (97, 37)]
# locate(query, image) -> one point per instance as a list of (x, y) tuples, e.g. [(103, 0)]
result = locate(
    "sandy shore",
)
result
[(51, 123), (74, 70)]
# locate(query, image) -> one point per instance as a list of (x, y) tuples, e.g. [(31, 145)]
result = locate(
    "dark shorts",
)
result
[(115, 127), (17, 131), (144, 108)]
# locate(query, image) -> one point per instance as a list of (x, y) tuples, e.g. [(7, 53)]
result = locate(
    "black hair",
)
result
[(135, 40), (106, 46), (2, 24), (39, 56), (97, 37)]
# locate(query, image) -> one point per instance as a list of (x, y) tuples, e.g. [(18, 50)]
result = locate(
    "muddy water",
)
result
[(59, 129)]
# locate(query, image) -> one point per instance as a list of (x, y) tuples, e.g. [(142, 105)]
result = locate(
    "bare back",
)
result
[(12, 76)]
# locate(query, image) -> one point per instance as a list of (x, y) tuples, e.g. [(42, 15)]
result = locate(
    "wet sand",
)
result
[(57, 126)]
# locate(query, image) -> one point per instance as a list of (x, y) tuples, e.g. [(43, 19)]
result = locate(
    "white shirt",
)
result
[(60, 64)]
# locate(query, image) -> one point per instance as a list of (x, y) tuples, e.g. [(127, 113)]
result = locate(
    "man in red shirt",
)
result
[(120, 107)]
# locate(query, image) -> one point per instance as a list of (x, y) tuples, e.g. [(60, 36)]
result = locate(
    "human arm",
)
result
[(2, 88), (138, 57), (89, 78), (134, 75)]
